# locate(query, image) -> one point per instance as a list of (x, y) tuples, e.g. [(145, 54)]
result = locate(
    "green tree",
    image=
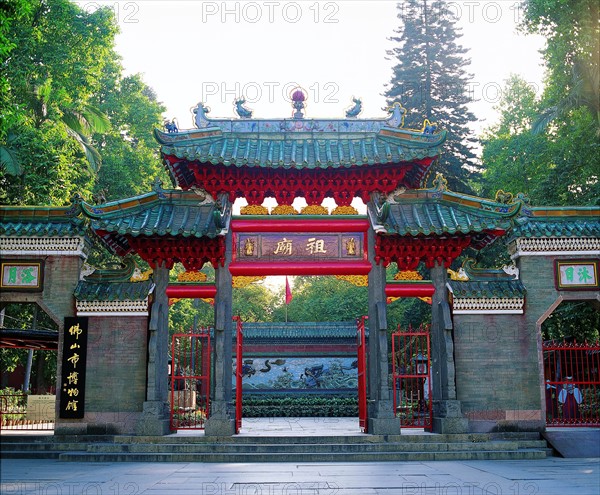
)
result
[(324, 299), (515, 159), (47, 87), (130, 155), (572, 55), (431, 81)]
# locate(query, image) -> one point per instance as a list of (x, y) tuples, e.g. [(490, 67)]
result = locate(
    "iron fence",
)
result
[(21, 411), (190, 380), (572, 384), (411, 377)]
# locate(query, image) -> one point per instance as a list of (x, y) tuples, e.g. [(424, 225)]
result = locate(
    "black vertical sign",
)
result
[(72, 390)]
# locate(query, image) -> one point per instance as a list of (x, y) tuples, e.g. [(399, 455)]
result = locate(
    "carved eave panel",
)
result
[(554, 246), (44, 246)]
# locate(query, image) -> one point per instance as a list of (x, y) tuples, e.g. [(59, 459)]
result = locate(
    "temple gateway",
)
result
[(483, 369)]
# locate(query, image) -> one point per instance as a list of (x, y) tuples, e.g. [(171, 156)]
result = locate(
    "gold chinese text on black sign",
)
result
[(72, 389)]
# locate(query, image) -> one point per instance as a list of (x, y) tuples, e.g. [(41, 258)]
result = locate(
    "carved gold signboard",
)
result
[(72, 390)]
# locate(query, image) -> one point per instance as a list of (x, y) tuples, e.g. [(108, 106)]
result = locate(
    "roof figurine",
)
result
[(355, 110), (398, 112), (200, 118), (298, 97), (240, 109)]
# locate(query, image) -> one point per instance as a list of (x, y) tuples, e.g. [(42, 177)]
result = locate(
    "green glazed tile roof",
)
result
[(300, 330), (558, 222), (40, 221), (437, 212), (160, 213), (113, 291), (309, 144), (479, 289)]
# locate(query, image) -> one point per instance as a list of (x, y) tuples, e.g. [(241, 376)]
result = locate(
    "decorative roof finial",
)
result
[(157, 188), (243, 112), (298, 98), (200, 118), (440, 183), (353, 111), (398, 112)]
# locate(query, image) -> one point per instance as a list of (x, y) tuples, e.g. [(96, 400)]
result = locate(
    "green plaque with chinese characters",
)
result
[(580, 274), (22, 275)]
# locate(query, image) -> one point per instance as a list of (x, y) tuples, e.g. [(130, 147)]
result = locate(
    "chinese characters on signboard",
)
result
[(268, 247), (22, 275), (577, 274), (72, 390)]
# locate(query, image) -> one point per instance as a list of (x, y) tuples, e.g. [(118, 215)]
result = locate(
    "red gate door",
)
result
[(238, 373), (411, 377), (362, 374), (572, 383), (190, 380)]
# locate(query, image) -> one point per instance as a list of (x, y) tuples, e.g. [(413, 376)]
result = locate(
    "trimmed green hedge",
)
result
[(301, 406)]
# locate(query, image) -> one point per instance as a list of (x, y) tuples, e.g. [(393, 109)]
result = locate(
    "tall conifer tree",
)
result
[(431, 82)]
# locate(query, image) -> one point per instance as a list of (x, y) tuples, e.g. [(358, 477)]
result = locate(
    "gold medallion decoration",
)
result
[(358, 280), (284, 210), (314, 210), (254, 210), (408, 275), (240, 281), (249, 246), (344, 210), (350, 246), (191, 277), (141, 276), (459, 275)]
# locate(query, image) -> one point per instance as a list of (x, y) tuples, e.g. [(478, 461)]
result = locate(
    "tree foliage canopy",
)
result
[(430, 79), (66, 107)]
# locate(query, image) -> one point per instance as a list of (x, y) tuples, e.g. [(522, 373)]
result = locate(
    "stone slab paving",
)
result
[(552, 476)]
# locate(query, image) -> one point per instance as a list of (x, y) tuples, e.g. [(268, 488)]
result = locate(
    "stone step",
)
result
[(338, 448), (359, 438), (300, 448), (304, 457)]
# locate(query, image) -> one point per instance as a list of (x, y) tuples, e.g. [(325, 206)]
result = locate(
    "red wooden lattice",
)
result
[(193, 253), (572, 384), (408, 252), (411, 376), (256, 183)]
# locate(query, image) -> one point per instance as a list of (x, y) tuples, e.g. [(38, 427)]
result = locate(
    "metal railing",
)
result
[(21, 411), (411, 377), (572, 384), (190, 380)]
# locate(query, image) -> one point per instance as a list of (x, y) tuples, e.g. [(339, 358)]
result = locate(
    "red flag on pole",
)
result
[(288, 291)]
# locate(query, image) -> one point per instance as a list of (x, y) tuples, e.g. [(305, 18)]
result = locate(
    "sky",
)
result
[(213, 51)]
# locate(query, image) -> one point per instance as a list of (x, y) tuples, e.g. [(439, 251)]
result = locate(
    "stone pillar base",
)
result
[(448, 418), (381, 419), (154, 420), (219, 427), (383, 426), (450, 425)]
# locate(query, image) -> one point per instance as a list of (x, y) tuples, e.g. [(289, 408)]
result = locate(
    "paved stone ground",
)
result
[(552, 476)]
